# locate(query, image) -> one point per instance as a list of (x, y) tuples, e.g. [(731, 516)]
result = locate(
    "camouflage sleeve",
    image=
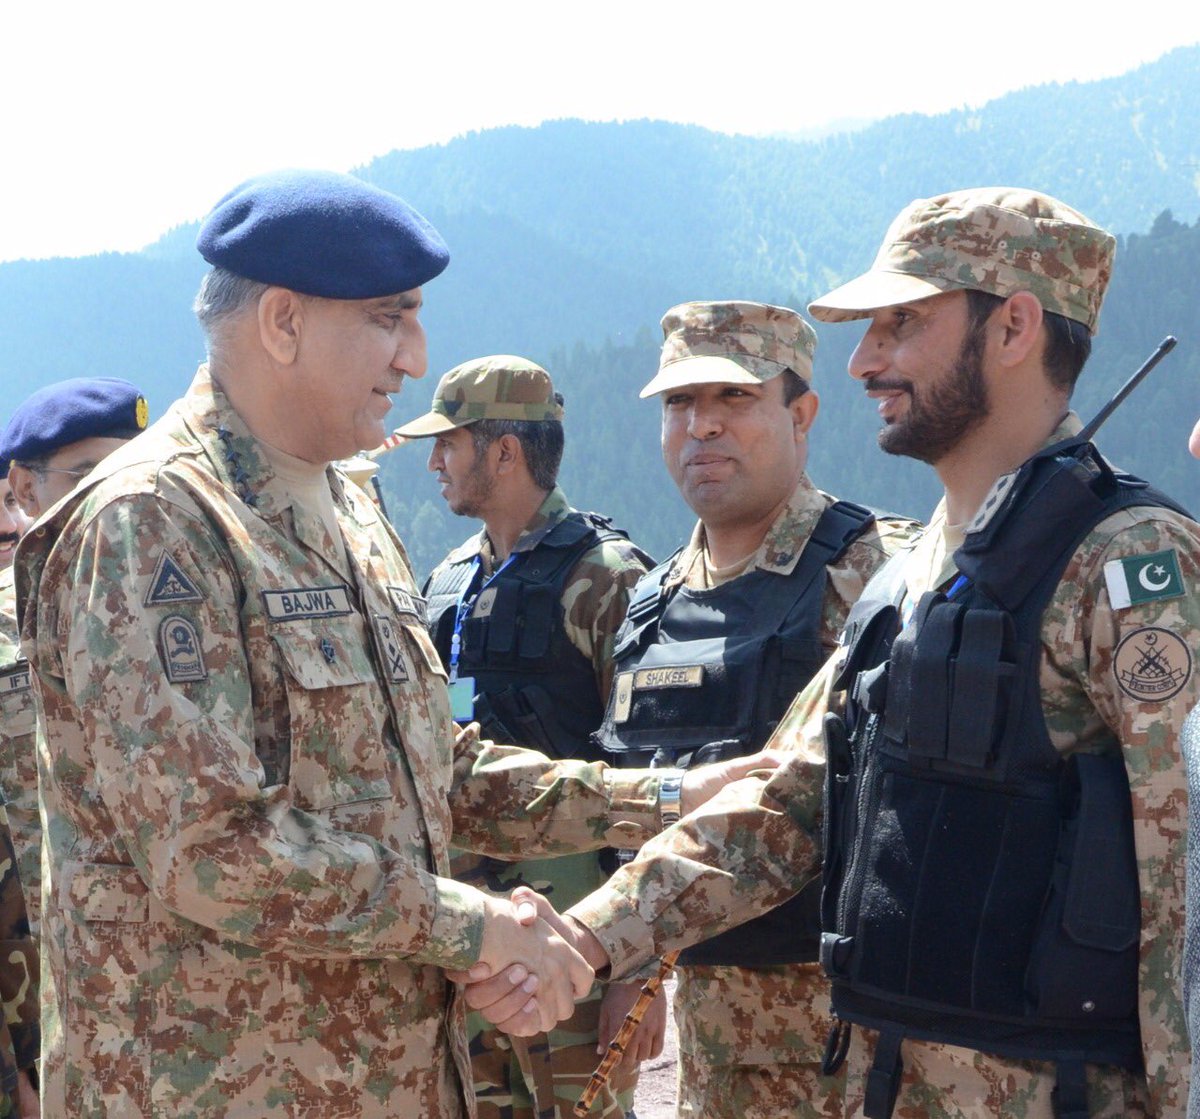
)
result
[(849, 576), (177, 770), (1122, 629), (510, 801), (744, 852), (594, 602), (18, 961)]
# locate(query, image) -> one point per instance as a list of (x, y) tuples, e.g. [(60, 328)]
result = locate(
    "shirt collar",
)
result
[(785, 539)]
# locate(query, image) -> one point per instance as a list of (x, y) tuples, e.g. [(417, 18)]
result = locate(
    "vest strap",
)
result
[(883, 1081), (1069, 1098)]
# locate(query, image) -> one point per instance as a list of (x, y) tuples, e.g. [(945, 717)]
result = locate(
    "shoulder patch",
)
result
[(1136, 579), (1152, 664), (169, 585), (179, 642)]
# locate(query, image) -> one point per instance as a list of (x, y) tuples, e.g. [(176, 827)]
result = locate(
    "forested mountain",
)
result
[(569, 241)]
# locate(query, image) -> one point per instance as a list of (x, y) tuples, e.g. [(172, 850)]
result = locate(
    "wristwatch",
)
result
[(669, 791)]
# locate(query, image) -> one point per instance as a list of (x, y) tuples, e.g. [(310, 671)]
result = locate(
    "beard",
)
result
[(945, 411), (476, 490)]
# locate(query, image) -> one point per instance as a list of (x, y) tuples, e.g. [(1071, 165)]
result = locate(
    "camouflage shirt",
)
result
[(18, 752), (761, 832), (597, 588), (250, 785), (19, 1034)]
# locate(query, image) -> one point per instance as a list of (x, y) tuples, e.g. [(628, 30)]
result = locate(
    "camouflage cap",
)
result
[(500, 387), (995, 239), (731, 342)]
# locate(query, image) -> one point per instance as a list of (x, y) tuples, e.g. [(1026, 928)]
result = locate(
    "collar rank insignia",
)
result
[(169, 585)]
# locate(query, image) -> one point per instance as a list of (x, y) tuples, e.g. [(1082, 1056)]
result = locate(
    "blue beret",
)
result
[(68, 411), (322, 233)]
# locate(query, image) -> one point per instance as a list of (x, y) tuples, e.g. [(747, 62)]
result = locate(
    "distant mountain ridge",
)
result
[(570, 240)]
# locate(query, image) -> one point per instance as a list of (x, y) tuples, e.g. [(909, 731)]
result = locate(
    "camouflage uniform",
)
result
[(762, 833), (18, 753), (751, 1039), (19, 1033), (545, 1075), (250, 787)]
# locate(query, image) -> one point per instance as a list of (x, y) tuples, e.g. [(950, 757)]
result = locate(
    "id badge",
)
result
[(462, 699)]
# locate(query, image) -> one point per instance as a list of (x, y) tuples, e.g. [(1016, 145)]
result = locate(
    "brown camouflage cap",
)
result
[(731, 342), (996, 239), (500, 387)]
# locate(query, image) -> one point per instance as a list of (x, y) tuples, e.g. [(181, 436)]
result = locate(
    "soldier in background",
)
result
[(52, 440), (1005, 847), (250, 778), (19, 1037), (718, 641), (523, 616)]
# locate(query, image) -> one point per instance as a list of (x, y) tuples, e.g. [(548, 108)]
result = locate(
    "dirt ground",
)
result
[(656, 1085)]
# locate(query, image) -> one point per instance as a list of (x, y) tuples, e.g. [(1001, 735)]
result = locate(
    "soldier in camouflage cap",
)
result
[(498, 439), (1005, 853), (501, 387), (772, 563)]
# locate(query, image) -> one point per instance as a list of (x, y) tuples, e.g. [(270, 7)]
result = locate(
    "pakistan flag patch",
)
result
[(1136, 579)]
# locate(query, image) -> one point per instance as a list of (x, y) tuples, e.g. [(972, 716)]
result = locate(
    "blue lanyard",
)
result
[(906, 611), (465, 601)]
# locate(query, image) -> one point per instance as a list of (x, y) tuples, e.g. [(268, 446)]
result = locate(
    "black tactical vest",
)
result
[(704, 675), (533, 687), (979, 889)]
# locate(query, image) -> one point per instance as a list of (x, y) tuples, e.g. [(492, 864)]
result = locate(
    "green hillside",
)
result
[(570, 240)]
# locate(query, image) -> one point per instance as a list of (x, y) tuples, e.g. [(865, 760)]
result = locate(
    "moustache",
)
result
[(9, 539), (882, 384)]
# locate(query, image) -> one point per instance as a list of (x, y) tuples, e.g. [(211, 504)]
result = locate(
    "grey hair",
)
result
[(222, 295)]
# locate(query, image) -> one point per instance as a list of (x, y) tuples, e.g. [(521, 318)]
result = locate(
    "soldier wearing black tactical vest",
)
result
[(523, 615), (718, 641), (998, 738)]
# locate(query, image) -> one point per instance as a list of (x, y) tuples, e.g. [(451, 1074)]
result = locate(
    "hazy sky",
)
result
[(123, 119)]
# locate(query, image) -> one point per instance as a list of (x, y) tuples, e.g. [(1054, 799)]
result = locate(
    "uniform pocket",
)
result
[(336, 714)]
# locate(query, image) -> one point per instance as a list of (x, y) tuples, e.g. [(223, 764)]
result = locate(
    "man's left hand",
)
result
[(647, 1042), (706, 781)]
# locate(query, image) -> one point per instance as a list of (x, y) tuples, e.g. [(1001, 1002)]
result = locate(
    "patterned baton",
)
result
[(616, 1047)]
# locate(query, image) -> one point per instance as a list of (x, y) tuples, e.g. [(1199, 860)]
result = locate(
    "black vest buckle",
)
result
[(837, 1045)]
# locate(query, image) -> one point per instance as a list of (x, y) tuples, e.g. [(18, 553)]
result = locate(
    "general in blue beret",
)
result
[(69, 411), (322, 233)]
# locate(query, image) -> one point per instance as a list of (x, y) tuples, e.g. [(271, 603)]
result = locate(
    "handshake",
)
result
[(535, 963)]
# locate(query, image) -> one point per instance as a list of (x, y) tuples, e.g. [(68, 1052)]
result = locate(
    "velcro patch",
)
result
[(1152, 664), (676, 676), (390, 649), (405, 602), (622, 696), (169, 585), (179, 642), (308, 602), (484, 603), (1136, 579), (15, 678)]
